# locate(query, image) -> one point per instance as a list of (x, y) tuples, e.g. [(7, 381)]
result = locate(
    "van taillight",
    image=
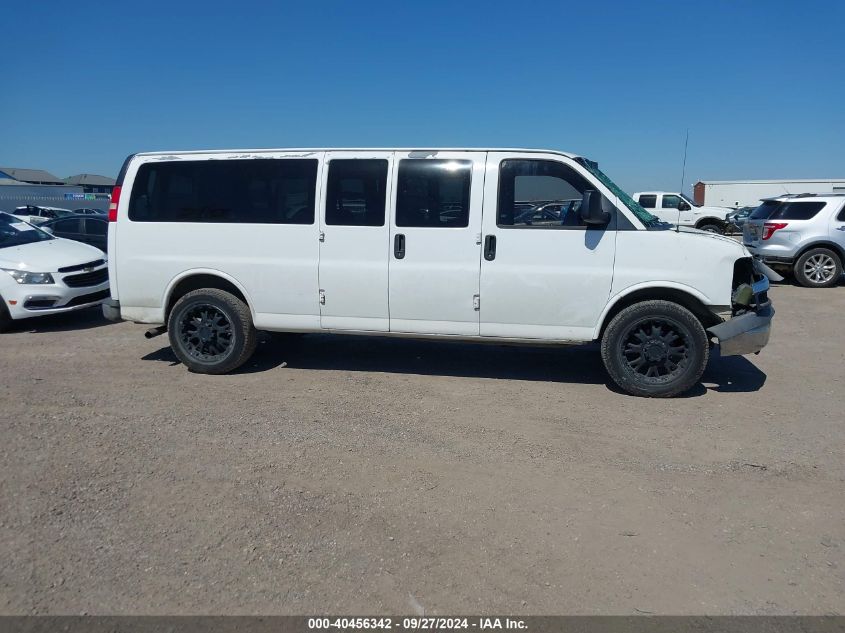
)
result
[(115, 200), (769, 228)]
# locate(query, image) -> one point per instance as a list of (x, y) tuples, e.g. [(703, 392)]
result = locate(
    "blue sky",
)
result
[(760, 85)]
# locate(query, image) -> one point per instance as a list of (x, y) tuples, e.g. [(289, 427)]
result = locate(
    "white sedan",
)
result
[(42, 274)]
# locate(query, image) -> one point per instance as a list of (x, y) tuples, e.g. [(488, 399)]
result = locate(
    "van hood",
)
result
[(48, 256), (715, 236), (727, 242)]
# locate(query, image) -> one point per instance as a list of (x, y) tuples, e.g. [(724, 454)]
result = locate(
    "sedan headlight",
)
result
[(25, 277)]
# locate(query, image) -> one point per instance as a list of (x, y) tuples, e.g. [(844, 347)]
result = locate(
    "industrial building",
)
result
[(92, 183), (748, 193), (30, 176), (21, 187)]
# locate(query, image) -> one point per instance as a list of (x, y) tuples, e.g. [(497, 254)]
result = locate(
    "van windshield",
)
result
[(642, 215), (16, 232)]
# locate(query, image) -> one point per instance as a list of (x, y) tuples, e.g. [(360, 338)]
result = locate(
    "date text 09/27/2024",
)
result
[(417, 623)]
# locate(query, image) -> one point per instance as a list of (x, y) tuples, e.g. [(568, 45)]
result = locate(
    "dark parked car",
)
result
[(90, 229), (739, 217)]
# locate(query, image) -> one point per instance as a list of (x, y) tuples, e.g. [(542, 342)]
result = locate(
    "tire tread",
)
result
[(643, 309), (246, 331)]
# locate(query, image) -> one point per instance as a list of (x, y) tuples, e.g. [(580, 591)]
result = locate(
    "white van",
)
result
[(529, 246)]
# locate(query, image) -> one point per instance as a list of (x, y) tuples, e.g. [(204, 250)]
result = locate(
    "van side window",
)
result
[(253, 191), (648, 201), (356, 192), (433, 193), (542, 194), (671, 202)]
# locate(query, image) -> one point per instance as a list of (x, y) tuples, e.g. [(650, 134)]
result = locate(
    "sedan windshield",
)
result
[(16, 232)]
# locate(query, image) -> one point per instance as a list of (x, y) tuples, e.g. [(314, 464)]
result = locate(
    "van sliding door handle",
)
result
[(490, 248), (399, 246)]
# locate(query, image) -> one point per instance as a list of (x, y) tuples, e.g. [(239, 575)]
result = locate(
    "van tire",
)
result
[(829, 263), (635, 353), (227, 324), (5, 317)]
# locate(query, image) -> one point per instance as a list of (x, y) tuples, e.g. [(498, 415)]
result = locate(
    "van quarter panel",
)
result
[(178, 223)]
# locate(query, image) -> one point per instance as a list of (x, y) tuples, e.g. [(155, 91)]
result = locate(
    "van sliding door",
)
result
[(354, 234), (435, 242)]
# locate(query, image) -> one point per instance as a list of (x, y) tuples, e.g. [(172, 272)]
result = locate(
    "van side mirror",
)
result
[(683, 205), (592, 208)]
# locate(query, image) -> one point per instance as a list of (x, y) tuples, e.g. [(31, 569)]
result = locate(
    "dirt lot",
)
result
[(371, 475)]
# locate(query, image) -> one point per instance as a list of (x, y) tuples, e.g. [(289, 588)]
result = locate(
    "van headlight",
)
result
[(25, 277)]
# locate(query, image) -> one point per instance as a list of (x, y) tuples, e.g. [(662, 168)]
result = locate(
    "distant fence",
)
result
[(62, 196)]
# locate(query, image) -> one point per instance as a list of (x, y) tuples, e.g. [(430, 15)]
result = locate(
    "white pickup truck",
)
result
[(676, 208)]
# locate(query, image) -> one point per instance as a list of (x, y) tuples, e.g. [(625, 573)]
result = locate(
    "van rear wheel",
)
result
[(655, 349), (211, 331), (5, 317)]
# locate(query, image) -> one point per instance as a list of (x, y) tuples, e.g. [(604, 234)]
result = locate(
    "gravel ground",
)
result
[(359, 475)]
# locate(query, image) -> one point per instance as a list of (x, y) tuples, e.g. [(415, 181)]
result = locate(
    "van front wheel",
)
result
[(211, 331), (655, 349)]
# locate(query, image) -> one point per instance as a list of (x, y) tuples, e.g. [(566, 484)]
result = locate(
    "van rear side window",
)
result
[(254, 191), (433, 193), (356, 192)]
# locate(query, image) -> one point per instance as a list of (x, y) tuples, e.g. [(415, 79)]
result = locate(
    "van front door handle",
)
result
[(399, 246), (490, 248)]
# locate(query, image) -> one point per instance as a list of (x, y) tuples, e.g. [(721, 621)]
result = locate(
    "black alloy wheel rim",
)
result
[(206, 333), (656, 350)]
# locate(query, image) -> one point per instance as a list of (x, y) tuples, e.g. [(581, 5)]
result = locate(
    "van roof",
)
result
[(422, 149), (791, 196)]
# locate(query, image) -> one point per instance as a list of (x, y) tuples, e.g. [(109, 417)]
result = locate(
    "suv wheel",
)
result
[(818, 268), (656, 349), (211, 331)]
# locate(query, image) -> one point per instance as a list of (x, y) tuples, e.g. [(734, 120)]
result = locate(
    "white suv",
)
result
[(803, 234), (676, 208), (212, 246)]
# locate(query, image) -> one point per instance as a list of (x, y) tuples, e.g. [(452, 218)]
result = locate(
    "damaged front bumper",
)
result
[(747, 332)]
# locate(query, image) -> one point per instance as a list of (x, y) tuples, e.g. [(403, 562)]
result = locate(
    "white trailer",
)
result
[(747, 193)]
